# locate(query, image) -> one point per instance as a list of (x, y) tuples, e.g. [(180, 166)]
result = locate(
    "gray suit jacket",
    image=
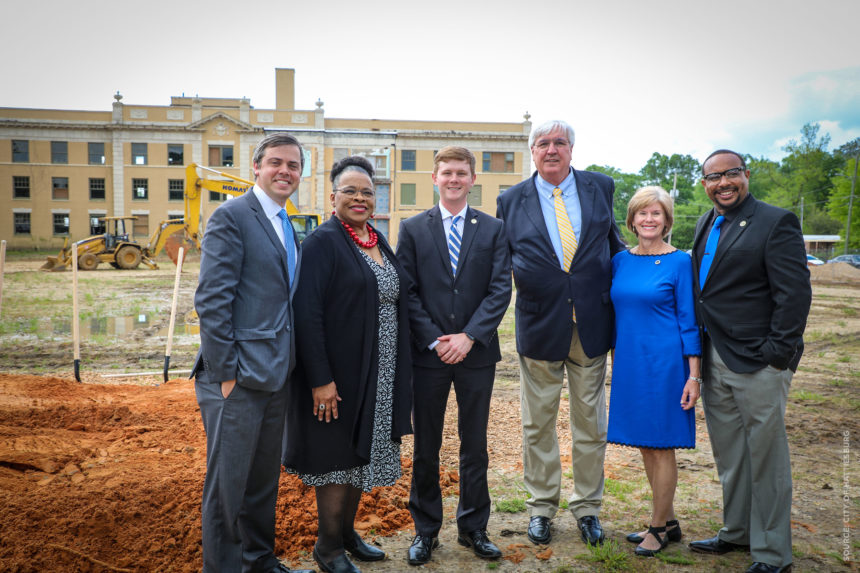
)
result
[(244, 300)]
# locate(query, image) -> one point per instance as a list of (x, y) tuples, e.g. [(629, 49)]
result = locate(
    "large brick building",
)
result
[(60, 170)]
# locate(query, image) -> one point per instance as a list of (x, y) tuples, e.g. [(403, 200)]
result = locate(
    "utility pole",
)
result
[(673, 194), (801, 214), (851, 201)]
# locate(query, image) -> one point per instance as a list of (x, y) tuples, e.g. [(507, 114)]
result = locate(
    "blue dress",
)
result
[(655, 332)]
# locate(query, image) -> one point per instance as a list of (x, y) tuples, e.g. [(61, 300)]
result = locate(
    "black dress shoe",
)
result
[(361, 550), (480, 544), (590, 529), (663, 541), (716, 546), (759, 567), (539, 530), (340, 564), (673, 532), (422, 549)]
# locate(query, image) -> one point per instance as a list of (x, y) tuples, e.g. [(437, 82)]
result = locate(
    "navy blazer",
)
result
[(546, 294), (757, 294), (243, 299), (473, 302)]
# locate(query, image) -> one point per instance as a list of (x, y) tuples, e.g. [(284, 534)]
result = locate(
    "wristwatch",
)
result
[(699, 380)]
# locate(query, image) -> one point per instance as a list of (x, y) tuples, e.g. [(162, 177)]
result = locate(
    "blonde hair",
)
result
[(454, 153), (644, 197)]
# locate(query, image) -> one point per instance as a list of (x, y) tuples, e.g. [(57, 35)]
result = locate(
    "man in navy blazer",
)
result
[(248, 268), (458, 262), (562, 235), (752, 300)]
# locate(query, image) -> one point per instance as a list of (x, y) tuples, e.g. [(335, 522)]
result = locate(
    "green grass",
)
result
[(610, 554), (675, 558), (516, 505), (806, 396), (849, 311), (618, 489)]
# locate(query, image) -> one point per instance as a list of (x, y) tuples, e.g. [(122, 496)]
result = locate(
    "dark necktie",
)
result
[(454, 240), (289, 244), (710, 249)]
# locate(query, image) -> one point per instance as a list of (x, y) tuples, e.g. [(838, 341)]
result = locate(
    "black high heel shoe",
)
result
[(673, 533)]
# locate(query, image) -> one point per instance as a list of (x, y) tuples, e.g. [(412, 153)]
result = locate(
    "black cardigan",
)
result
[(336, 306)]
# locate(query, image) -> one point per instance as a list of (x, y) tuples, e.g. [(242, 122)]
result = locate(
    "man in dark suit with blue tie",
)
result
[(248, 271), (752, 300), (562, 235), (458, 262)]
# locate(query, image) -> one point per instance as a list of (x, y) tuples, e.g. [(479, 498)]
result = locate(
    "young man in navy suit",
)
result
[(458, 262), (752, 299), (562, 235), (248, 272)]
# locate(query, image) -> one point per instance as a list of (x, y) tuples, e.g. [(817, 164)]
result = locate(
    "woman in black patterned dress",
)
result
[(350, 397)]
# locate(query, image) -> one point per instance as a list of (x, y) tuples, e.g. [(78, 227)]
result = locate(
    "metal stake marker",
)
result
[(173, 312), (76, 326), (2, 266)]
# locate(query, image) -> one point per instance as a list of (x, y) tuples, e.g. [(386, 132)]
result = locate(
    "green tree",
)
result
[(661, 170), (626, 185), (840, 198)]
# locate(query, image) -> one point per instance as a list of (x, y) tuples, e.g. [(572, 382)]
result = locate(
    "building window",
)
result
[(20, 151), (175, 189), (503, 188), (221, 155), (21, 187), (60, 188), (141, 226), (59, 152), (138, 154), (97, 188), (61, 223), (175, 154), (215, 196), (474, 196), (381, 226), (382, 195), (96, 152), (407, 160), (407, 193), (97, 224), (22, 223), (140, 189), (498, 162)]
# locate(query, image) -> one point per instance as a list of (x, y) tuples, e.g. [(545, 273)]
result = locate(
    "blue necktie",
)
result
[(289, 243), (454, 244), (710, 249)]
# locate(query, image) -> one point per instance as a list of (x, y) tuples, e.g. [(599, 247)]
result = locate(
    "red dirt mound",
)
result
[(96, 477)]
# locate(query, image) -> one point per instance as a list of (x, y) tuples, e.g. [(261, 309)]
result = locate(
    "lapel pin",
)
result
[(743, 223), (474, 221)]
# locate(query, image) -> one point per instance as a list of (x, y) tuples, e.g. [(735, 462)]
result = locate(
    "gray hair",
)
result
[(277, 139), (549, 127)]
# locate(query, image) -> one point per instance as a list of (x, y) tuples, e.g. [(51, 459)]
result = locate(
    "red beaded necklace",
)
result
[(369, 243)]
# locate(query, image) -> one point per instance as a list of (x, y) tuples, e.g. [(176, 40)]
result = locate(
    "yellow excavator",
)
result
[(120, 251)]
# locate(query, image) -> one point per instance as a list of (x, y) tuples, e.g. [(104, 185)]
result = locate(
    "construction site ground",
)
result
[(106, 475)]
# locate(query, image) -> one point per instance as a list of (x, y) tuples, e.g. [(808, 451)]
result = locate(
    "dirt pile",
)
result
[(96, 477), (835, 272)]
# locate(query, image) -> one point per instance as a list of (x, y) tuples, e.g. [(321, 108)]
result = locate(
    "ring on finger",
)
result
[(322, 407)]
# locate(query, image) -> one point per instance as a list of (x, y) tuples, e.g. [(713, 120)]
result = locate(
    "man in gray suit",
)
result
[(248, 269), (752, 299)]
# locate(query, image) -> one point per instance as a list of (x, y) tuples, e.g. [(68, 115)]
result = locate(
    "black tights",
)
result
[(337, 505)]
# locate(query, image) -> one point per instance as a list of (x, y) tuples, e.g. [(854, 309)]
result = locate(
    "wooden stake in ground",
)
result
[(2, 265), (173, 312), (76, 326)]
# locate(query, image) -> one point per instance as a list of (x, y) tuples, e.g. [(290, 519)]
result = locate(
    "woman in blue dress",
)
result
[(656, 361)]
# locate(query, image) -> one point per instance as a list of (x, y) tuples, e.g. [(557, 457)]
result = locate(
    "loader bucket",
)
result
[(53, 264)]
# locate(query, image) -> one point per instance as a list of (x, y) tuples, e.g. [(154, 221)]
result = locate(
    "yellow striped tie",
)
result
[(565, 231)]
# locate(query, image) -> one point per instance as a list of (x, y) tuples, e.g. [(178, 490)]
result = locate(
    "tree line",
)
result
[(810, 180)]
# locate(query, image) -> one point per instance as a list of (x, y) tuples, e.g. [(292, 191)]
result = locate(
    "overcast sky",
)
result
[(632, 77)]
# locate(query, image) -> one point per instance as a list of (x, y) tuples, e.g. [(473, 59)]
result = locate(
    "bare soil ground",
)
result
[(106, 475)]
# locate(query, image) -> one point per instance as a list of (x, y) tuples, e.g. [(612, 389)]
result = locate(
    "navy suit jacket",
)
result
[(757, 294), (546, 294), (243, 299), (473, 302)]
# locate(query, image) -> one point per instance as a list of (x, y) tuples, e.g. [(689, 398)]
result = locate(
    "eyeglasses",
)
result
[(732, 173), (350, 192), (543, 144)]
